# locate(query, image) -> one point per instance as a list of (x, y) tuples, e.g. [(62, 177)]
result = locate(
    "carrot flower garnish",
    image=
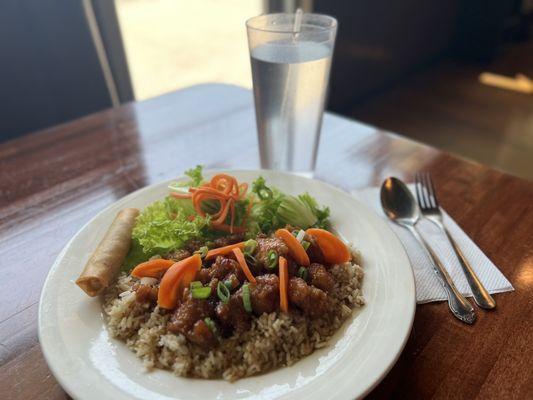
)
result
[(225, 192)]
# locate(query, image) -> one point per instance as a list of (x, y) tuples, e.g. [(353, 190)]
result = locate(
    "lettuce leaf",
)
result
[(167, 225), (296, 212), (275, 210), (196, 179), (263, 216), (322, 214), (196, 176), (171, 223), (135, 256)]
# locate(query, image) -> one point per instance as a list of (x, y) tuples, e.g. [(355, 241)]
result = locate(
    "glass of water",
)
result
[(291, 58)]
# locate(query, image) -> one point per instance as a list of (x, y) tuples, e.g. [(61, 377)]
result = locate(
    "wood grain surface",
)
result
[(54, 181)]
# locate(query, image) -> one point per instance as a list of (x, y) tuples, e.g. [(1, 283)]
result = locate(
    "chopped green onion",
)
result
[(305, 245), (202, 251), (302, 273), (211, 325), (272, 259), (301, 235), (250, 260), (196, 284), (201, 292), (250, 246), (223, 292), (246, 298), (228, 284), (265, 193)]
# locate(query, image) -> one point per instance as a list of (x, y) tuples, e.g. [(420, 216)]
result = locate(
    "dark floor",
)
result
[(447, 107)]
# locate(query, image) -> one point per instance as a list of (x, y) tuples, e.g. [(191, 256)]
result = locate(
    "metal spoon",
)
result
[(401, 207)]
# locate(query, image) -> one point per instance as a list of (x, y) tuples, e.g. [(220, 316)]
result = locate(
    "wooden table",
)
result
[(52, 182)]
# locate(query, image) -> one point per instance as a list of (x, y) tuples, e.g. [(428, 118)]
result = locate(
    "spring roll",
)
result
[(106, 260)]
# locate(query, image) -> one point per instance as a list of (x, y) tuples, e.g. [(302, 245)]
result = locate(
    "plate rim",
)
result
[(64, 383)]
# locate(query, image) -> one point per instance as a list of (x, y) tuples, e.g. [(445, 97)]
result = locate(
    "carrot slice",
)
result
[(232, 220), (244, 266), (152, 268), (224, 183), (223, 213), (243, 187), (222, 251), (333, 249), (296, 250), (177, 277), (225, 190), (283, 285)]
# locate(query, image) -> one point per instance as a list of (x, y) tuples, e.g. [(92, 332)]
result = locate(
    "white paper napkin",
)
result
[(428, 288)]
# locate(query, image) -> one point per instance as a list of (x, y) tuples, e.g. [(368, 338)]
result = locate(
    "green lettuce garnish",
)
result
[(263, 216), (196, 176), (322, 214), (168, 225), (296, 212), (276, 209), (196, 179), (135, 256)]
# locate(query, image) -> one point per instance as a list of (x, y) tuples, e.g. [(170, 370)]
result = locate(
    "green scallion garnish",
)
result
[(265, 193), (272, 259), (201, 292), (305, 244), (196, 284), (202, 251), (228, 284), (223, 292), (250, 246), (303, 273), (250, 260), (211, 325), (246, 298)]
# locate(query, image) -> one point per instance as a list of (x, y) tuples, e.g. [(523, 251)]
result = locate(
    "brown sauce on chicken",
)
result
[(145, 293), (205, 321)]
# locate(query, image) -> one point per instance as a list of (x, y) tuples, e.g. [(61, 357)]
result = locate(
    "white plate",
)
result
[(91, 365)]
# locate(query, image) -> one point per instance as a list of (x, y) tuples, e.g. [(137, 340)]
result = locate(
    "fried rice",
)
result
[(274, 340)]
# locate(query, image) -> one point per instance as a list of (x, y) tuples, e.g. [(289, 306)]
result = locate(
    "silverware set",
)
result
[(400, 206)]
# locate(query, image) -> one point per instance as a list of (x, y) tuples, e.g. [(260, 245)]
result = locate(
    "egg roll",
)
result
[(105, 262)]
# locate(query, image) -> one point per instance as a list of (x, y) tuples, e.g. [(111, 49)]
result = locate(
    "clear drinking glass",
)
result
[(290, 71)]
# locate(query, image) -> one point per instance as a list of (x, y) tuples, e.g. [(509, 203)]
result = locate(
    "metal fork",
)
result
[(429, 205)]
